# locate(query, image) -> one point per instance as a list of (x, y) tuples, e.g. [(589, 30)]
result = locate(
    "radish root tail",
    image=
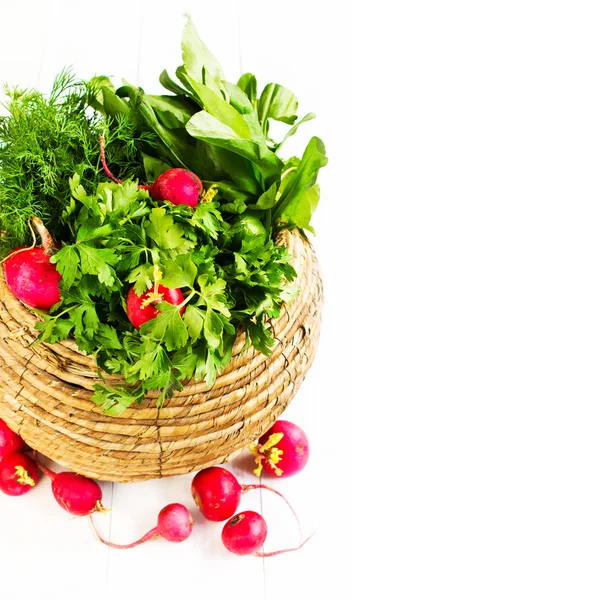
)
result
[(276, 552), (151, 534), (261, 486), (33, 244)]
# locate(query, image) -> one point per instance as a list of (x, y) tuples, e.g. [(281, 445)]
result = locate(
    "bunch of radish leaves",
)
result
[(115, 237)]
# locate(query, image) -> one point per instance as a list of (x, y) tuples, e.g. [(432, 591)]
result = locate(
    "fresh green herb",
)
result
[(43, 141), (121, 238)]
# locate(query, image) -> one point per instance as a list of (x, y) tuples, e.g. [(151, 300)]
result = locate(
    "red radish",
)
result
[(174, 524), (282, 451), (217, 494), (9, 440), (30, 275), (18, 474), (141, 309), (77, 494), (245, 533), (177, 186)]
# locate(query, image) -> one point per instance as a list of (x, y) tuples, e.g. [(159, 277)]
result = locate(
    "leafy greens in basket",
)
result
[(220, 254), (221, 131)]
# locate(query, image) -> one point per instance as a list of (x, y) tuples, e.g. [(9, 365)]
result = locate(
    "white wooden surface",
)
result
[(39, 543)]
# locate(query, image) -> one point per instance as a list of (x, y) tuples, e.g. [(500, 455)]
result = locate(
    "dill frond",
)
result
[(44, 140)]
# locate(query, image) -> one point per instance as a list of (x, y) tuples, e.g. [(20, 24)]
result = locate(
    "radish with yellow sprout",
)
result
[(282, 451), (77, 494), (18, 474)]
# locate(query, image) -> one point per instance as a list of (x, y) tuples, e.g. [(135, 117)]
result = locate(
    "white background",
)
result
[(453, 405)]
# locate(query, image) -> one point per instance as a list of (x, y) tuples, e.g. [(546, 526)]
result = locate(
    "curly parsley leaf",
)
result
[(99, 262), (194, 318), (167, 327), (260, 336), (167, 234), (116, 400), (212, 294), (179, 272)]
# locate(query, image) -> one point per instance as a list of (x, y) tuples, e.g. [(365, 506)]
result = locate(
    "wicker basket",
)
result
[(46, 389)]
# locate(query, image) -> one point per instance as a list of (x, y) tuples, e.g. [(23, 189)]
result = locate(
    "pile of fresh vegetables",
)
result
[(157, 217), (284, 450)]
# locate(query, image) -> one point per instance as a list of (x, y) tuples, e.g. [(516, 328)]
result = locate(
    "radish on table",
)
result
[(77, 494), (217, 494), (246, 532), (174, 525), (18, 474), (282, 451)]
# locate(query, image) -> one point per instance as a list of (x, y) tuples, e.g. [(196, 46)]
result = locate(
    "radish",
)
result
[(217, 494), (282, 451), (246, 532), (77, 494), (141, 309), (174, 525), (18, 474), (177, 186), (9, 440), (30, 275)]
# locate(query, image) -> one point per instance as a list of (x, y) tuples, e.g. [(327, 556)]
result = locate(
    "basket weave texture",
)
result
[(45, 392)]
